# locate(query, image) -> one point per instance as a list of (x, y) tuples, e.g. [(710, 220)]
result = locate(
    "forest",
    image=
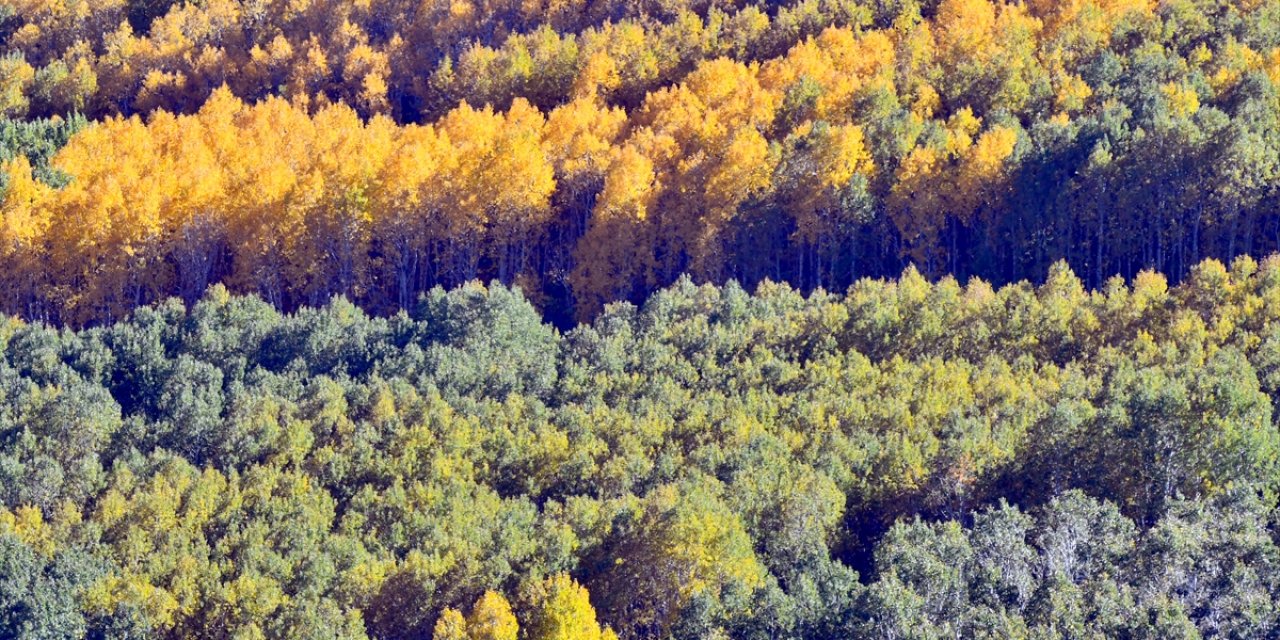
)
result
[(906, 460), (639, 320), (589, 152)]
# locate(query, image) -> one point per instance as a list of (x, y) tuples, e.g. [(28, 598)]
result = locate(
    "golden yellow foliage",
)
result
[(491, 619), (563, 611), (450, 626)]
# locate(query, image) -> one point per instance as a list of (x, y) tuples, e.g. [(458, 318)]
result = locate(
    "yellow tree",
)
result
[(106, 230), (48, 27), (981, 173), (986, 53), (408, 208), (716, 119), (823, 180), (348, 157), (502, 186), (838, 64), (491, 619), (579, 138), (192, 233), (949, 182), (562, 611), (268, 66), (450, 626), (966, 30), (616, 254), (266, 152), (24, 219), (518, 182), (682, 543), (15, 86), (621, 63)]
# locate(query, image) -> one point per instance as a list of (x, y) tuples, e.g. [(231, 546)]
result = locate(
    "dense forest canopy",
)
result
[(595, 151), (780, 339), (907, 460)]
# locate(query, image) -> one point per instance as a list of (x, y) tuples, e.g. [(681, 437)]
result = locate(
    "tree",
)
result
[(39, 593), (491, 619), (682, 548), (450, 626), (563, 611)]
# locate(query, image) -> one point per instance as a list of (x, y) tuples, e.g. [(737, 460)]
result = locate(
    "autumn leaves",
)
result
[(299, 206), (722, 142)]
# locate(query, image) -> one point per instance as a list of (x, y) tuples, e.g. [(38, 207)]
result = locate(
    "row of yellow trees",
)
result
[(380, 56), (922, 125), (299, 206)]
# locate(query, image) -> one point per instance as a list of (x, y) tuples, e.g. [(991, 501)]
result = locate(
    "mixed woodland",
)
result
[(595, 151), (632, 320), (906, 460)]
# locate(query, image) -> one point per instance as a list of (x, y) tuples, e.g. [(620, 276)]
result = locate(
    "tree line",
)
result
[(909, 459), (592, 152)]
